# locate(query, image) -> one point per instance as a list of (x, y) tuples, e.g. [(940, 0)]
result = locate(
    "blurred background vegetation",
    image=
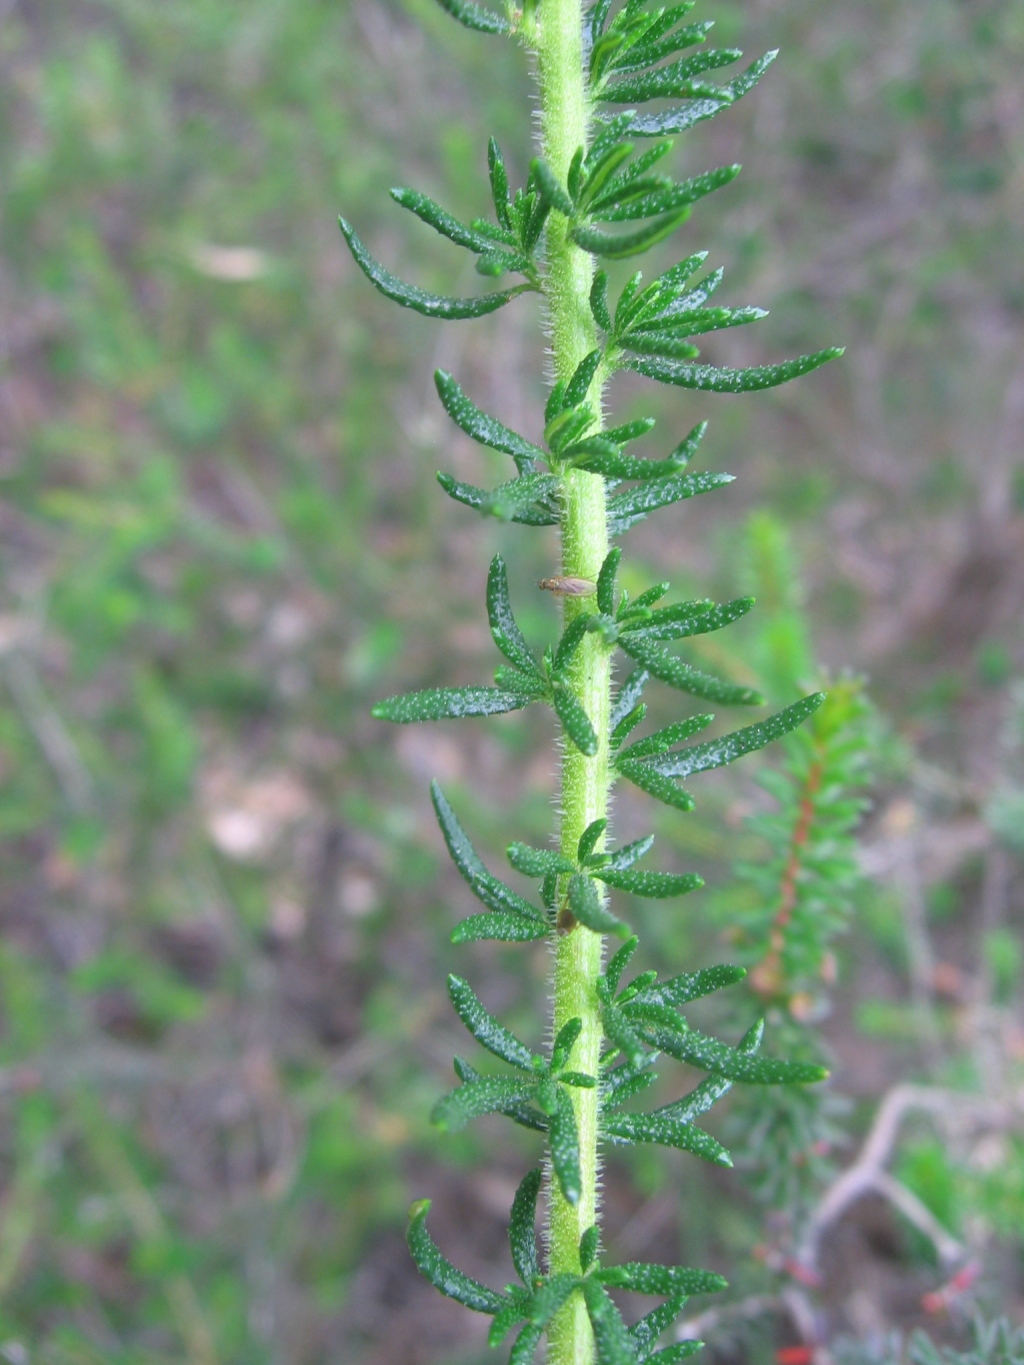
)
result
[(223, 902)]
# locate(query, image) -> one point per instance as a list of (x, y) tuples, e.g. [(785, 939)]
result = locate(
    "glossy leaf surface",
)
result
[(408, 296)]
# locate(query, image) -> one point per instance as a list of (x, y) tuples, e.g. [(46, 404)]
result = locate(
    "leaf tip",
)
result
[(418, 1210)]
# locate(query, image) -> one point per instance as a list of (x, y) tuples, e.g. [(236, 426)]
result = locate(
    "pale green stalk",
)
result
[(564, 112)]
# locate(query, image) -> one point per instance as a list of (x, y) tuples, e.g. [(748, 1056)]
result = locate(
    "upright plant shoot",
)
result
[(596, 193)]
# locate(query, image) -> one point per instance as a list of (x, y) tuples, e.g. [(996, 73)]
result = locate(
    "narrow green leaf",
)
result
[(613, 464), (672, 670), (572, 638), (499, 184), (629, 854), (488, 1095), (564, 1043), (488, 431), (546, 1095), (496, 262), (681, 307), (537, 862), (700, 1099), (654, 594), (515, 680), (746, 81), (583, 376), (574, 179), (487, 889), (589, 838), (681, 118), (525, 1346), (640, 307), (448, 703), (661, 345), (638, 984), (712, 380), (579, 1079), (626, 509), (650, 1014), (408, 296), (620, 961), (522, 1234), (608, 132), (598, 445), (514, 1311), (664, 739), (632, 176), (661, 788), (654, 885), (643, 1278), (672, 1355), (509, 500), (680, 990), (602, 168), (535, 221), (567, 425), (626, 1082), (588, 1247), (716, 753), (586, 906), (711, 1055), (650, 1327), (502, 239), (689, 445), (667, 199), (565, 1147), (550, 1296), (599, 301), (619, 247), (682, 621), (504, 629), (485, 1028), (629, 300), (651, 52), (500, 928), (631, 431), (523, 500), (614, 1344), (620, 1032), (551, 188), (475, 16), (628, 696), (664, 1132), (549, 890), (627, 725), (697, 321), (675, 81), (606, 580), (440, 220), (575, 721), (520, 1111), (441, 1273)]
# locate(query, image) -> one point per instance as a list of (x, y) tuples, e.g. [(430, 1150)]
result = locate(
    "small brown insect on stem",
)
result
[(568, 587)]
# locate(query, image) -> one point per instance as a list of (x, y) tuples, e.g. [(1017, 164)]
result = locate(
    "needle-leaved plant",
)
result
[(596, 192)]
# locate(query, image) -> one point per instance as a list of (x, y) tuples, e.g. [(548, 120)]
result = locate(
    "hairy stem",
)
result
[(584, 781)]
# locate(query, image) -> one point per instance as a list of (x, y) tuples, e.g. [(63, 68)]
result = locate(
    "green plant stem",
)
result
[(584, 534)]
